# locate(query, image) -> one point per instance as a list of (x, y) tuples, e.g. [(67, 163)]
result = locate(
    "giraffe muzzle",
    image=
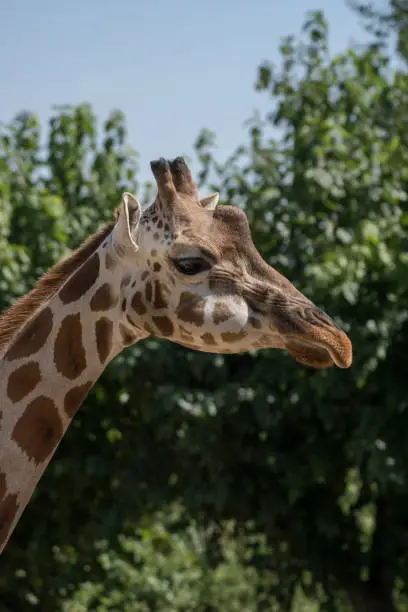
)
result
[(312, 338), (322, 344)]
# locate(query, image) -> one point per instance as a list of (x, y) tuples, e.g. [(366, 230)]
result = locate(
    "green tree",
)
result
[(328, 199)]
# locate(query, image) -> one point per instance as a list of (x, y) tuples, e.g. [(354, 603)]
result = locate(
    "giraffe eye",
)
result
[(191, 265)]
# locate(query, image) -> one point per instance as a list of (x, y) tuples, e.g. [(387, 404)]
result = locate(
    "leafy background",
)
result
[(248, 482)]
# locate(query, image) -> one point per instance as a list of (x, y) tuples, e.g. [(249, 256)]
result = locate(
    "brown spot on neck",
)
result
[(69, 352), (104, 334), (75, 397), (164, 325), (81, 281), (23, 380), (39, 429), (104, 298), (33, 336), (16, 316), (138, 304)]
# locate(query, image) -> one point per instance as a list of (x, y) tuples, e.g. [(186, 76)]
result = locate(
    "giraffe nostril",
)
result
[(287, 321), (316, 316)]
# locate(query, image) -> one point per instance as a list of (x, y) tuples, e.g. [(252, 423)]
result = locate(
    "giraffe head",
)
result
[(193, 275)]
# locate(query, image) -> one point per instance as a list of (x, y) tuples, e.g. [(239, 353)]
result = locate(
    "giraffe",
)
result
[(185, 269)]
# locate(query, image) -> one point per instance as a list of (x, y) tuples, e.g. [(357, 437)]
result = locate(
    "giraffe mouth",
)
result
[(327, 349), (312, 338)]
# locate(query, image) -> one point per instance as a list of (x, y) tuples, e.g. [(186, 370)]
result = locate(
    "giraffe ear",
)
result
[(128, 217), (210, 202)]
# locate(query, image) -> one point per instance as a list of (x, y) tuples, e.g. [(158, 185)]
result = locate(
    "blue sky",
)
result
[(173, 67)]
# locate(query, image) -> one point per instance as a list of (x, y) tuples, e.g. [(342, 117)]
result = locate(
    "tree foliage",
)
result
[(385, 20), (239, 482)]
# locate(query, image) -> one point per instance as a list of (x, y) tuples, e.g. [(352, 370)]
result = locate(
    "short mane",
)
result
[(18, 314)]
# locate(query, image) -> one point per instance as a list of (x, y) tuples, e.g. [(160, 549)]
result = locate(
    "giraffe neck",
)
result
[(48, 369)]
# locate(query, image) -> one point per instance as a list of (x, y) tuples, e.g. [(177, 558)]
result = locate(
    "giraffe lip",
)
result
[(321, 348)]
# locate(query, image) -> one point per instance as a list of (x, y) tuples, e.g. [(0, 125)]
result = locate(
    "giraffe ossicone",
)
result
[(184, 269)]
